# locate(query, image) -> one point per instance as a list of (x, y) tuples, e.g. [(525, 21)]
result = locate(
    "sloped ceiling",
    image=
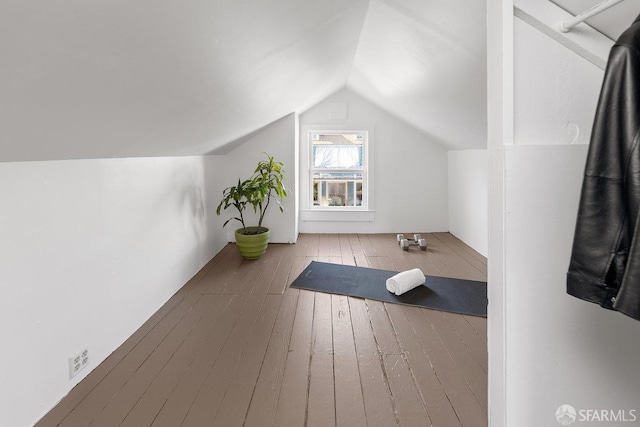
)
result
[(425, 62), (121, 78)]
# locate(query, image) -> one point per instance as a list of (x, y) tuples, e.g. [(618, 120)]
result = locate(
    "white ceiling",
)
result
[(612, 22), (425, 62), (120, 78)]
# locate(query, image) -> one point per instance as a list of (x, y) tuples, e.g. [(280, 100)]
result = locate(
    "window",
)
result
[(338, 170)]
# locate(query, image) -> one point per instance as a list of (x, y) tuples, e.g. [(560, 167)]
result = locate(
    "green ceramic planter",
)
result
[(252, 246)]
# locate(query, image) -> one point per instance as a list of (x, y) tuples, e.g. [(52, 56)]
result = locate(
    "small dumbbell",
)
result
[(423, 244)]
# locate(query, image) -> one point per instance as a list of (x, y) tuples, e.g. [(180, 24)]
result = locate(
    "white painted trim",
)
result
[(305, 181), (337, 215), (582, 39), (560, 38), (365, 167), (568, 25), (500, 135)]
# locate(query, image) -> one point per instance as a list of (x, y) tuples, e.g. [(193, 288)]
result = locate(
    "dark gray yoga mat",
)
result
[(439, 293)]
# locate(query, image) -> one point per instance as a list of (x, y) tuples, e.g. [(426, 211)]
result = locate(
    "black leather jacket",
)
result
[(605, 261)]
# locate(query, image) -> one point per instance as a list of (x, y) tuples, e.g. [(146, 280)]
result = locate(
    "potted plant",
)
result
[(265, 185)]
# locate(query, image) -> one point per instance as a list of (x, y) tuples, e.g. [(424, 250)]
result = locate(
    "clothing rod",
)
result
[(566, 26)]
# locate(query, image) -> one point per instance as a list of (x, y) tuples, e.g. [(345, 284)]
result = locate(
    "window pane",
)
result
[(338, 151), (337, 189)]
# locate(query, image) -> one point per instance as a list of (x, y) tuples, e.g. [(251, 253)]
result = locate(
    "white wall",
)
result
[(410, 170), (89, 249), (560, 349), (557, 349), (469, 197), (555, 91), (280, 141)]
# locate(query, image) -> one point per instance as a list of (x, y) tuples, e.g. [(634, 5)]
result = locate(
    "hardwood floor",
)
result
[(236, 346)]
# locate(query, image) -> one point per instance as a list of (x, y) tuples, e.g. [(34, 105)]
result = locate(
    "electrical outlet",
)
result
[(78, 361), (84, 356)]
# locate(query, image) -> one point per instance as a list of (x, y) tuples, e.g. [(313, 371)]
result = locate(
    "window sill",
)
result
[(337, 215)]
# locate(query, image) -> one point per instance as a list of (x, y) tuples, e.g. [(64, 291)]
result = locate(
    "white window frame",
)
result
[(363, 170), (308, 211)]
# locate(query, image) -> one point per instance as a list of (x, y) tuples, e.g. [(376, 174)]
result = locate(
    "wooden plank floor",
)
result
[(236, 346)]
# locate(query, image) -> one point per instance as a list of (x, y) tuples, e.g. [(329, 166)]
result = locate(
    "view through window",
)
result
[(338, 169)]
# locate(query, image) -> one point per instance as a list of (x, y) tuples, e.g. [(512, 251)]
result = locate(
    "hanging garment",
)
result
[(605, 260)]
